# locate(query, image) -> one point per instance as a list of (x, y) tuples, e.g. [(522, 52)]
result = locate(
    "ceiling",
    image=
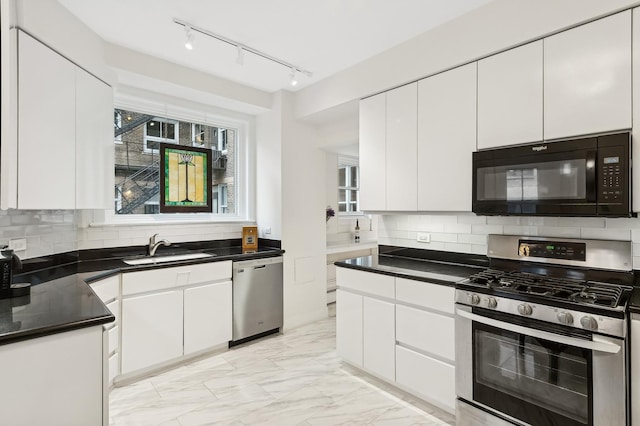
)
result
[(322, 36)]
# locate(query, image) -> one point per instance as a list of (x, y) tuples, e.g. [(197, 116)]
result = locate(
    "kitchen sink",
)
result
[(162, 259)]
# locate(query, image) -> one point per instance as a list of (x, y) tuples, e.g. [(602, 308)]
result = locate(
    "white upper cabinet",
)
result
[(401, 147), (510, 97), (94, 142), (46, 127), (372, 146), (446, 137), (63, 147), (587, 78)]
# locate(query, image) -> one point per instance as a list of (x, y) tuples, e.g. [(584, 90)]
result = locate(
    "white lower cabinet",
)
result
[(635, 370), (205, 325), (151, 329), (429, 378), (349, 326), (400, 330), (172, 313), (379, 338), (54, 380)]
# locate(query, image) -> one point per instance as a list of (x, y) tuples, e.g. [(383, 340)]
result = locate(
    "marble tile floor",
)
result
[(290, 379)]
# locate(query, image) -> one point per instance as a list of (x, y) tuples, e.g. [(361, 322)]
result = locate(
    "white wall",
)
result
[(303, 220), (467, 233), (489, 29)]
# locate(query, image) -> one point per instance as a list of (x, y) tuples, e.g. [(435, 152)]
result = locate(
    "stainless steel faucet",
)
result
[(153, 245)]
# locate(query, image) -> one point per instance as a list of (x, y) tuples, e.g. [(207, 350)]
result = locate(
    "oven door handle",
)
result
[(607, 347)]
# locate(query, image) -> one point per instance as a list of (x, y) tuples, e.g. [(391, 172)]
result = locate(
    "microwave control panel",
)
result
[(613, 174)]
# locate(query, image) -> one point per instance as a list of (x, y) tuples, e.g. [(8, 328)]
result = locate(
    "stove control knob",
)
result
[(525, 309), (492, 302), (565, 318), (474, 299), (589, 323)]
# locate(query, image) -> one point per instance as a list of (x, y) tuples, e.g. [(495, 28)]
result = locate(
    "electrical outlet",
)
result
[(423, 237), (19, 244), (267, 230)]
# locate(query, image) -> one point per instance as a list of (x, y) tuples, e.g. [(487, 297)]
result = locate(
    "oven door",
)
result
[(546, 179), (537, 377)]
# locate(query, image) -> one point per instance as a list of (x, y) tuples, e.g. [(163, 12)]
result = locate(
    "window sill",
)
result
[(181, 220)]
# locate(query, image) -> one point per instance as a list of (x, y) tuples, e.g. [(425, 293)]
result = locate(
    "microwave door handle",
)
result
[(598, 346), (592, 187)]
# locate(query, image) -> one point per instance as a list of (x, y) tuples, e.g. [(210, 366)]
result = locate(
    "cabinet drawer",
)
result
[(366, 282), (430, 379), (107, 289), (431, 296), (164, 278), (113, 339), (426, 331)]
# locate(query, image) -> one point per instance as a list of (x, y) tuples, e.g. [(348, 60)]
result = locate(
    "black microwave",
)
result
[(578, 177)]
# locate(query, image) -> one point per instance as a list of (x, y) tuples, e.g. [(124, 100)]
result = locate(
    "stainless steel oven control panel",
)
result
[(567, 317)]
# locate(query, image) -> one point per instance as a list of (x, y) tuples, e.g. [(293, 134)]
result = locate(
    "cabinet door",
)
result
[(46, 127), (94, 142), (379, 337), (446, 139), (151, 329), (401, 148), (372, 153), (349, 326), (510, 97), (429, 378), (587, 78), (207, 316), (635, 370)]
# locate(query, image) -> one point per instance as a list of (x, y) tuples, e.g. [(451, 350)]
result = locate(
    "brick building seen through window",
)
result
[(137, 166)]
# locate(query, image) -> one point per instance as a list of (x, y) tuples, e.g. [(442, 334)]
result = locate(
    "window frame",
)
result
[(183, 110), (158, 139), (347, 162)]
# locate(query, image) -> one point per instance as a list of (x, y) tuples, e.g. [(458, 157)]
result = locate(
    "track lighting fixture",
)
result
[(241, 49), (189, 43)]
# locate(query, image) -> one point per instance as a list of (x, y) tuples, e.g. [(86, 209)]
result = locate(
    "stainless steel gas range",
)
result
[(541, 336)]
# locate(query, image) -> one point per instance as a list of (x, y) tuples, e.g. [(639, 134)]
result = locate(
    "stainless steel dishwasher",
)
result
[(257, 298)]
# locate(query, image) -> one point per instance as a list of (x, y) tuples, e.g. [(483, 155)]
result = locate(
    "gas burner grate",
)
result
[(564, 289)]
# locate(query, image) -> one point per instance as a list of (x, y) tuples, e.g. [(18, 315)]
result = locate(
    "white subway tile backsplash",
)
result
[(606, 234), (472, 219), (549, 231), (457, 228), (582, 222), (468, 234), (503, 220), (472, 239), (486, 229), (520, 230), (633, 223), (445, 238)]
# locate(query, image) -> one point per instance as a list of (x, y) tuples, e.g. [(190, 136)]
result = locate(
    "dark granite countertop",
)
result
[(56, 306), (61, 299), (423, 265)]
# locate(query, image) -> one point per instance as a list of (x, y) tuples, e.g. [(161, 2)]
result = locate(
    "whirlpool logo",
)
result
[(539, 148)]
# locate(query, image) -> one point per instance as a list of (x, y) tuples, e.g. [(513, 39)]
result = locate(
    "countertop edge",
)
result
[(408, 275)]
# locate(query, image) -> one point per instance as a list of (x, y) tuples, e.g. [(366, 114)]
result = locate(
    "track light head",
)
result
[(189, 43), (294, 81)]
